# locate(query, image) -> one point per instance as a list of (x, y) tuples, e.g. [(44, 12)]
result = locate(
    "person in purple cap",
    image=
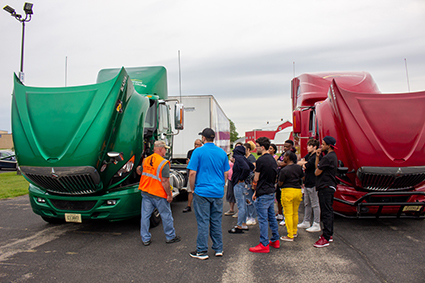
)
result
[(326, 187)]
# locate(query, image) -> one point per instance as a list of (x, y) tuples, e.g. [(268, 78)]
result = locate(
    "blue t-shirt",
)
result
[(210, 162)]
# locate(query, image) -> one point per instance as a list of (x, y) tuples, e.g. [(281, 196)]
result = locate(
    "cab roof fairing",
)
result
[(314, 86)]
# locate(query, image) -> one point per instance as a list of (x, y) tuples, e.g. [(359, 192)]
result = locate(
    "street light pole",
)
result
[(21, 71), (28, 14)]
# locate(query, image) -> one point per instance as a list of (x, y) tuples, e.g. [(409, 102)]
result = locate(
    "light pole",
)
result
[(28, 13)]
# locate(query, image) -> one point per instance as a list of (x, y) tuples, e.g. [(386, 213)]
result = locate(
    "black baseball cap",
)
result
[(208, 133), (330, 141)]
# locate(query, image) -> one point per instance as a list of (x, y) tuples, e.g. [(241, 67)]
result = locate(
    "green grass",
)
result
[(12, 185)]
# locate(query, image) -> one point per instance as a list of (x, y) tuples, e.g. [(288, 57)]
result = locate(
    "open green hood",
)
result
[(76, 126)]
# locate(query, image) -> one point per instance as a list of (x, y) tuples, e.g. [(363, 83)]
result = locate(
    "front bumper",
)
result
[(350, 203), (116, 205)]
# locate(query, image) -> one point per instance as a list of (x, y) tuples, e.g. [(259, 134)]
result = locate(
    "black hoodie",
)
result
[(242, 167)]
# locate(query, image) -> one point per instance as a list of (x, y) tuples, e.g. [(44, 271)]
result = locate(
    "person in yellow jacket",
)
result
[(156, 193)]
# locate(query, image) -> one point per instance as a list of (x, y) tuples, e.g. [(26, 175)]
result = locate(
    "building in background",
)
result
[(277, 132), (6, 141)]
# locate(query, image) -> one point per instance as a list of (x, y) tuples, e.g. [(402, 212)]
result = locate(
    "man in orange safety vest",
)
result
[(156, 193)]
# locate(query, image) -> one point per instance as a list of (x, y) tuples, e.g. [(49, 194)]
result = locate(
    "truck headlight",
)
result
[(127, 167)]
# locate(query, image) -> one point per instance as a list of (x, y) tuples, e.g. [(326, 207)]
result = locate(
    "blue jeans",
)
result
[(240, 194), (251, 211), (266, 217), (148, 205), (208, 212)]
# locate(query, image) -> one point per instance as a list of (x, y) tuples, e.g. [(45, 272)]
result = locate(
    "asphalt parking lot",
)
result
[(31, 250)]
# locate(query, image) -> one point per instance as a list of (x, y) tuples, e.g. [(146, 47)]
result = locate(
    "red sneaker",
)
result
[(260, 249), (331, 239), (275, 244), (321, 243)]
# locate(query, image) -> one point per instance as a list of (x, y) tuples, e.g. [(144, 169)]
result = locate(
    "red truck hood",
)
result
[(380, 129)]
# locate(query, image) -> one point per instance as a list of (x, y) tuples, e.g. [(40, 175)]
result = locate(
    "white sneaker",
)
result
[(314, 228), (251, 221), (282, 223), (279, 217), (303, 225), (235, 215)]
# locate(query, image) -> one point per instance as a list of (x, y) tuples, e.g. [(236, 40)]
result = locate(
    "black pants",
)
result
[(326, 200)]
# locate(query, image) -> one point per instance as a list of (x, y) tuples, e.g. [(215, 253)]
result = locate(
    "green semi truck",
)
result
[(79, 146)]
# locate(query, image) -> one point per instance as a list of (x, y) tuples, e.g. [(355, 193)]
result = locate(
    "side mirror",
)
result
[(179, 116)]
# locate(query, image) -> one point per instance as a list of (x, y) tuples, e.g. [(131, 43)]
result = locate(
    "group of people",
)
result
[(253, 183), (316, 174)]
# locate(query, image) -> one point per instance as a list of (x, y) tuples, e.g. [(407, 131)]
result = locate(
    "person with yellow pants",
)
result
[(290, 181)]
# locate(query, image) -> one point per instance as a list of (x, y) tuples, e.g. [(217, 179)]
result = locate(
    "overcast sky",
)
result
[(242, 52)]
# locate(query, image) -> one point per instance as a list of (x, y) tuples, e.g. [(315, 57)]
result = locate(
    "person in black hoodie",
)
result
[(241, 169)]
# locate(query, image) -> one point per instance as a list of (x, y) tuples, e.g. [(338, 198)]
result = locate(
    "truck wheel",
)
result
[(155, 218), (52, 220)]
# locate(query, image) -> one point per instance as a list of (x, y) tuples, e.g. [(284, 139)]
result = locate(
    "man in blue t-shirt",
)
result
[(209, 168)]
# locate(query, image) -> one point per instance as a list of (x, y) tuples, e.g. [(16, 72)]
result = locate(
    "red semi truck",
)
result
[(380, 141)]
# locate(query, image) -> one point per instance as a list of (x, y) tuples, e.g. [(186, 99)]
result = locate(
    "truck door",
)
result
[(164, 125), (312, 124)]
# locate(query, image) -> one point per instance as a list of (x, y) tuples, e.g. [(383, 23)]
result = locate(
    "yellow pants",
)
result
[(291, 198)]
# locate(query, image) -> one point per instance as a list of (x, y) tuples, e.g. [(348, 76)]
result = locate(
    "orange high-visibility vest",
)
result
[(150, 181)]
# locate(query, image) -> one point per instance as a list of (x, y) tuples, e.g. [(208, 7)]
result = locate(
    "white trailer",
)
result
[(200, 111)]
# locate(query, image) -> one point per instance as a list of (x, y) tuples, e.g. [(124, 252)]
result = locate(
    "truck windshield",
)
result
[(150, 117)]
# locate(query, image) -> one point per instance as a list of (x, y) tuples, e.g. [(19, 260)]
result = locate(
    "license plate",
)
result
[(72, 217), (412, 208)]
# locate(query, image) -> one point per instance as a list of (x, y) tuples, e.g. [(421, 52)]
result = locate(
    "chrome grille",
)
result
[(65, 180), (391, 178), (69, 185)]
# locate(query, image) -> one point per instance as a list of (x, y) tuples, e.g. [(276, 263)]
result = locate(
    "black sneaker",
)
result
[(201, 255), (147, 243), (187, 209), (174, 240)]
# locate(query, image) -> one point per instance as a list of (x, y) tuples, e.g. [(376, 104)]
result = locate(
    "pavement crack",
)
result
[(36, 240), (365, 258)]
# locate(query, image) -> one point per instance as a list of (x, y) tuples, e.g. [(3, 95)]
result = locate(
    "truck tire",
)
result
[(155, 218), (52, 220)]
